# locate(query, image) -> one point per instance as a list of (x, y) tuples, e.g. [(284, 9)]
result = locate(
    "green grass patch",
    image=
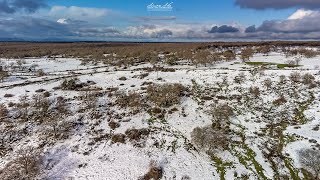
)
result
[(221, 166), (258, 63), (293, 172), (280, 66)]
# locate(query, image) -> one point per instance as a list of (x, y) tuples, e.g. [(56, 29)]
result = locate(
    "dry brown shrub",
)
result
[(137, 134), (210, 139), (3, 111), (295, 77), (308, 78), (27, 165), (165, 95), (118, 138), (131, 100), (155, 172), (281, 100)]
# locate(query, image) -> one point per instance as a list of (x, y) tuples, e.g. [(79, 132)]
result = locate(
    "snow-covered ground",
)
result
[(258, 123)]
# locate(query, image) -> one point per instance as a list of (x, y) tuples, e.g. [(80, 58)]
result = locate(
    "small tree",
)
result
[(27, 165), (23, 107), (246, 54), (229, 55)]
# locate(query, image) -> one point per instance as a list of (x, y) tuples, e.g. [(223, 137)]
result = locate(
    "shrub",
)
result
[(267, 83), (255, 91), (113, 125), (46, 94), (308, 78), (3, 111), (281, 100), (89, 99), (27, 165), (41, 73), (132, 100), (40, 90), (41, 104), (57, 127), (137, 134), (165, 95), (8, 95), (240, 78), (310, 160), (23, 107), (118, 138), (295, 77), (71, 84), (3, 74), (122, 78), (229, 55), (155, 172), (172, 60), (246, 54), (282, 79), (222, 113), (210, 139), (61, 106)]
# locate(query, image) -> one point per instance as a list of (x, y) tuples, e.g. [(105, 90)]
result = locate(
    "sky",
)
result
[(159, 20)]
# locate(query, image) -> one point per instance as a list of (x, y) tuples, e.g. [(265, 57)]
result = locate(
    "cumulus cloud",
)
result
[(12, 6), (162, 34), (224, 29), (70, 21), (305, 25), (302, 13), (278, 4)]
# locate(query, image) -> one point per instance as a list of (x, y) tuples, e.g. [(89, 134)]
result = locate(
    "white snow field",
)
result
[(274, 116)]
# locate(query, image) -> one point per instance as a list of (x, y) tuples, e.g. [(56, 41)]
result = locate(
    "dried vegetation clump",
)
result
[(165, 95)]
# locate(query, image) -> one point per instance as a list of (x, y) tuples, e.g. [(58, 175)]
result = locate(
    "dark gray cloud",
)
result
[(278, 4), (12, 6), (223, 29), (251, 29), (162, 34), (34, 28)]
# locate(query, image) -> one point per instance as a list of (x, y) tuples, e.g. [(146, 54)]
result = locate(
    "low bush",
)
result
[(210, 139), (131, 100), (3, 111), (137, 134), (118, 138), (113, 125), (165, 95), (295, 77), (8, 95), (71, 84), (26, 165), (308, 78), (155, 172)]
